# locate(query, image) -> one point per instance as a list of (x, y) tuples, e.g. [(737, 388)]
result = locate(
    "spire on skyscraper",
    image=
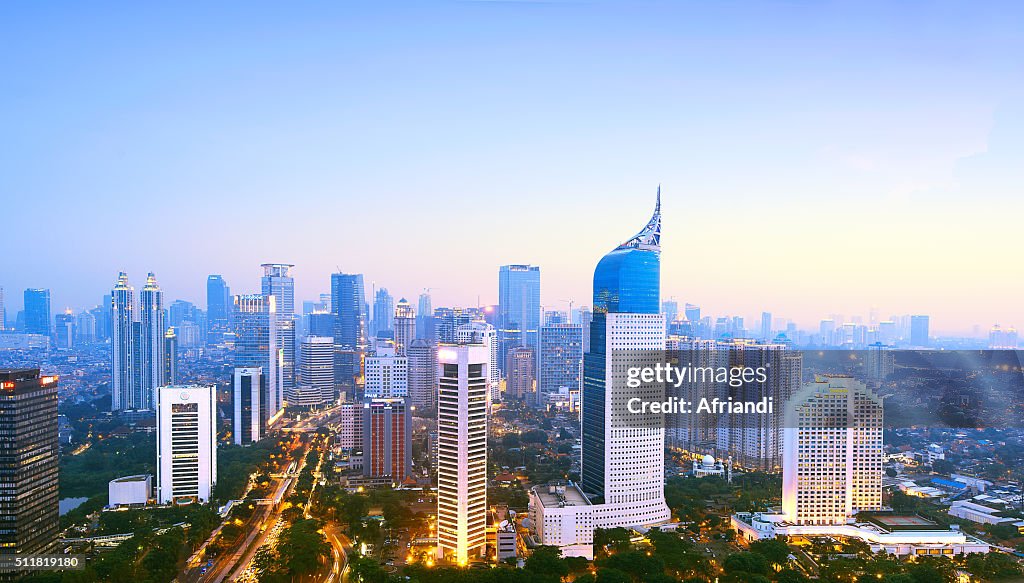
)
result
[(649, 237)]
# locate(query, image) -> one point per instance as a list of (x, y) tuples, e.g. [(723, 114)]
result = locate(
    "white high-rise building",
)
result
[(463, 384), (387, 375), (317, 368), (486, 334), (405, 326), (186, 425), (832, 466), (122, 346), (152, 349), (634, 449)]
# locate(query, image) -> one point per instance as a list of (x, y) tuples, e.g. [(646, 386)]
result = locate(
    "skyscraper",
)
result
[(28, 462), (255, 324), (447, 321), (623, 466), (833, 457), (560, 363), (766, 325), (480, 332), (123, 380), (151, 342), (518, 307), (755, 441), (3, 311), (422, 356), (85, 328), (249, 396), (405, 326), (37, 311), (383, 313), (218, 302), (462, 451), (317, 368), (671, 310), (170, 357), (919, 333), (692, 313), (186, 443), (278, 282), (65, 329), (425, 318), (348, 302)]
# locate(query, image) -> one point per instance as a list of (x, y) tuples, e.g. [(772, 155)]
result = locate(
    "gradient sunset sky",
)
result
[(815, 157)]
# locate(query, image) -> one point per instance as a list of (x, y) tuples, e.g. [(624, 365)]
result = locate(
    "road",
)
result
[(340, 546)]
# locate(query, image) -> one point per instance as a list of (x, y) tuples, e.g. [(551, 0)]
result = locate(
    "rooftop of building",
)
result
[(560, 495), (138, 478)]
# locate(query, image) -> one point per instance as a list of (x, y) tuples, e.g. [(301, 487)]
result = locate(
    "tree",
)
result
[(612, 576), (790, 576), (746, 563), (774, 550), (547, 560)]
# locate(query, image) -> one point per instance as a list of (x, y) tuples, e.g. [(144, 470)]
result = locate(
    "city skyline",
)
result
[(849, 163)]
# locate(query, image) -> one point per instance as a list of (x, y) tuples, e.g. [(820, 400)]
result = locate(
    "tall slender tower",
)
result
[(462, 451), (623, 465), (170, 357), (151, 342), (122, 348), (3, 312), (405, 326), (278, 282)]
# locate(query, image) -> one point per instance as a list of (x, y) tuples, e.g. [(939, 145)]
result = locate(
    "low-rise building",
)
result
[(897, 535), (130, 490), (562, 516), (501, 532), (981, 513)]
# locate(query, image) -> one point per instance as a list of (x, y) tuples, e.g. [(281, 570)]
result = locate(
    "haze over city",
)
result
[(804, 182)]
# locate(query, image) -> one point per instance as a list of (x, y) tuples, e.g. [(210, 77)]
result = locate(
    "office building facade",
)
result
[(255, 327), (186, 425), (463, 383), (29, 498)]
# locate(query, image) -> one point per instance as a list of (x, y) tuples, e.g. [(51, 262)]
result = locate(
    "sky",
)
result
[(815, 158)]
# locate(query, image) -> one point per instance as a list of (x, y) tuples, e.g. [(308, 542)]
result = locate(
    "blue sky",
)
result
[(816, 158)]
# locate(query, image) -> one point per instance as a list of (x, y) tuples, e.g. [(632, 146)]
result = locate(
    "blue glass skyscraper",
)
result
[(348, 300), (626, 281), (518, 308), (37, 311)]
